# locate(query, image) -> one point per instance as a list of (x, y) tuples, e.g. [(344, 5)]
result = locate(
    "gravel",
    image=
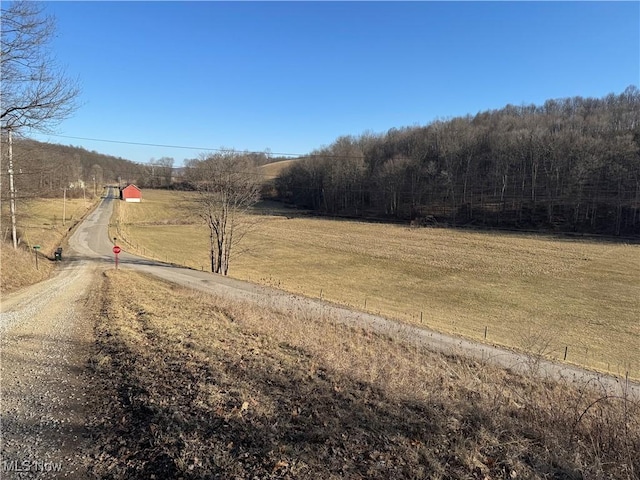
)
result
[(44, 350)]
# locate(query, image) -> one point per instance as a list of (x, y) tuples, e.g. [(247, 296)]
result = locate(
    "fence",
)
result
[(536, 342)]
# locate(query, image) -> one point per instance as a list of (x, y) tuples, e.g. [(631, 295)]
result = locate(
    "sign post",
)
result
[(35, 250), (116, 251)]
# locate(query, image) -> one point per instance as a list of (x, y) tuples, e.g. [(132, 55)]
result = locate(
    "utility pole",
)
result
[(95, 192), (64, 206), (12, 196)]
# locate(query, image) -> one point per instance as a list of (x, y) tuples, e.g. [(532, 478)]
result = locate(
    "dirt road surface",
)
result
[(47, 335), (45, 345)]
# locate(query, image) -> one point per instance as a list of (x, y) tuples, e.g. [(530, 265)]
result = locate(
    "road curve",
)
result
[(47, 336), (91, 242)]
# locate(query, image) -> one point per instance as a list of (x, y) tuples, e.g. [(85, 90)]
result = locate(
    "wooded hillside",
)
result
[(570, 164), (44, 169)]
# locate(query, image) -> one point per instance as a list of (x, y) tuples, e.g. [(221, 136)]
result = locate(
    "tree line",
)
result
[(44, 169), (570, 164)]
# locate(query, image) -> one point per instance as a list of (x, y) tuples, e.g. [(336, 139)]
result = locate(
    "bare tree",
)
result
[(165, 170), (228, 187), (36, 93), (568, 165)]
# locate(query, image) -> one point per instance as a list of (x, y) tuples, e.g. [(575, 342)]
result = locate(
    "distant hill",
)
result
[(43, 169), (570, 164), (274, 169)]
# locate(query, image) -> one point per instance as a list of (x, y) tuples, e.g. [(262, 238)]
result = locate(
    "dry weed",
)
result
[(201, 387), (466, 283), (18, 268)]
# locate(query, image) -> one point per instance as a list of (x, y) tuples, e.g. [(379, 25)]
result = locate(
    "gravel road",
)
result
[(47, 335), (45, 345)]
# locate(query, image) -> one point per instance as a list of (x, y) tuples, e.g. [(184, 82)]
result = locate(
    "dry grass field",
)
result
[(18, 268), (272, 170), (192, 386), (530, 292), (39, 222)]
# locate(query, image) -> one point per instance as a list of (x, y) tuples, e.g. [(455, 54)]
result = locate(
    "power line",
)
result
[(209, 149), (184, 147)]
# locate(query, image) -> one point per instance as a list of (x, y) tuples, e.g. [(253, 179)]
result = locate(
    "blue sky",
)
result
[(293, 76)]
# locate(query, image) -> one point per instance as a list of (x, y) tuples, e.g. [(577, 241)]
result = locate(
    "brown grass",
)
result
[(18, 268), (528, 292), (273, 170), (193, 386), (39, 222)]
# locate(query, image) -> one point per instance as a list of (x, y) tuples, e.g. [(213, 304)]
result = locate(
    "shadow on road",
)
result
[(73, 259)]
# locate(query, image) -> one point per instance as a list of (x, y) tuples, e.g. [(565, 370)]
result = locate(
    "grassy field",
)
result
[(529, 292), (187, 385), (18, 268), (272, 170), (39, 222)]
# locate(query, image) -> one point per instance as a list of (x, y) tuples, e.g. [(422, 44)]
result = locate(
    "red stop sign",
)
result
[(116, 249)]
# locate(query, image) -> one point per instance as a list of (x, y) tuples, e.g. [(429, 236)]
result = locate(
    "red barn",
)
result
[(131, 193)]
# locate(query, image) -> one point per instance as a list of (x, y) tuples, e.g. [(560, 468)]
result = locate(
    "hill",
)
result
[(43, 217), (275, 169), (44, 169), (570, 164)]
